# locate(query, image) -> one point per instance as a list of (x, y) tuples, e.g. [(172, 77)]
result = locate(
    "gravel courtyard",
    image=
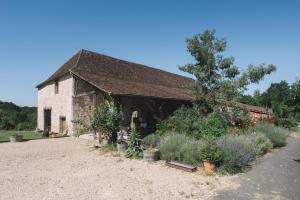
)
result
[(69, 168)]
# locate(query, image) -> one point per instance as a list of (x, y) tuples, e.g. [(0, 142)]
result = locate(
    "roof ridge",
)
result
[(141, 65), (77, 61)]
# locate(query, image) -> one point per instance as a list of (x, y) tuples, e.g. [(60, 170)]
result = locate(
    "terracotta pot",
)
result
[(209, 167)]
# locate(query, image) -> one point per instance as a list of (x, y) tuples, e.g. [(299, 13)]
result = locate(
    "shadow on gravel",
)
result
[(297, 160)]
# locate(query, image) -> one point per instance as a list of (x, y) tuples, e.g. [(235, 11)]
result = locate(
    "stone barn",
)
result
[(66, 100)]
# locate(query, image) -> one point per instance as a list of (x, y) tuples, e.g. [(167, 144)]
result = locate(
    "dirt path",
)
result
[(277, 176), (68, 168)]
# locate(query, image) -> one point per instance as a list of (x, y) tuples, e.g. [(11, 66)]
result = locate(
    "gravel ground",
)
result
[(68, 168)]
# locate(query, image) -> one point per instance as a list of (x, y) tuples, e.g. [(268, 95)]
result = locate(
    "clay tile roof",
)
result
[(256, 109), (119, 77)]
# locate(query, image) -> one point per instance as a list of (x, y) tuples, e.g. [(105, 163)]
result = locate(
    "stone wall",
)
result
[(86, 98), (255, 116), (60, 104)]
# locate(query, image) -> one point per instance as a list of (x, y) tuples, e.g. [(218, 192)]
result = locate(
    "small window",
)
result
[(56, 87)]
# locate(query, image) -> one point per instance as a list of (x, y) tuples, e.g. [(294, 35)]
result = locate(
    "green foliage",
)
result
[(210, 151), (180, 147), (190, 152), (289, 123), (277, 135), (237, 153), (217, 78), (134, 145), (170, 146), (261, 142), (151, 140), (189, 121), (285, 106), (240, 117), (183, 120), (107, 119), (13, 117), (213, 126)]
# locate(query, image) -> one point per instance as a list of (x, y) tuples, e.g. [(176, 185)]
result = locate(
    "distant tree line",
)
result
[(283, 98), (13, 117)]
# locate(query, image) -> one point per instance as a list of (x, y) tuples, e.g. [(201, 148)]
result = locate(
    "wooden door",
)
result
[(63, 125)]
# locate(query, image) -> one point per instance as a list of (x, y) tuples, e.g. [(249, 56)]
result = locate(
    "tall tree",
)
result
[(295, 96), (218, 80)]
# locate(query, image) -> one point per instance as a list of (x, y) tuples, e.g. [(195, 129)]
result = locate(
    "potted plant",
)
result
[(151, 154), (16, 138), (210, 155)]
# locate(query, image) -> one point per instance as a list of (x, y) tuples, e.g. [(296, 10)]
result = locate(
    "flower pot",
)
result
[(209, 167), (121, 147), (16, 138), (151, 155)]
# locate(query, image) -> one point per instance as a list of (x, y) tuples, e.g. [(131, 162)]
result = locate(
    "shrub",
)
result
[(183, 120), (170, 146), (287, 122), (107, 119), (180, 147), (211, 152), (276, 135), (189, 121), (213, 126), (151, 140), (190, 152), (134, 145), (261, 142), (237, 153)]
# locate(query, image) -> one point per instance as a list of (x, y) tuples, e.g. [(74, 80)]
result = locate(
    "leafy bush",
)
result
[(213, 126), (276, 135), (180, 147), (107, 119), (183, 120), (189, 121), (287, 122), (151, 140), (237, 153), (134, 145), (261, 142), (211, 152)]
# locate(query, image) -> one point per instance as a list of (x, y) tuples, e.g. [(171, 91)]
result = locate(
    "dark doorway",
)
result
[(47, 122)]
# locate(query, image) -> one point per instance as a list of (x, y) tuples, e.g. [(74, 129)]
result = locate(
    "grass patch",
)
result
[(27, 135), (110, 147)]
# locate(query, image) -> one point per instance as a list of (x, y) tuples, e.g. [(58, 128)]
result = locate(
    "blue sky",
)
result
[(37, 37)]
